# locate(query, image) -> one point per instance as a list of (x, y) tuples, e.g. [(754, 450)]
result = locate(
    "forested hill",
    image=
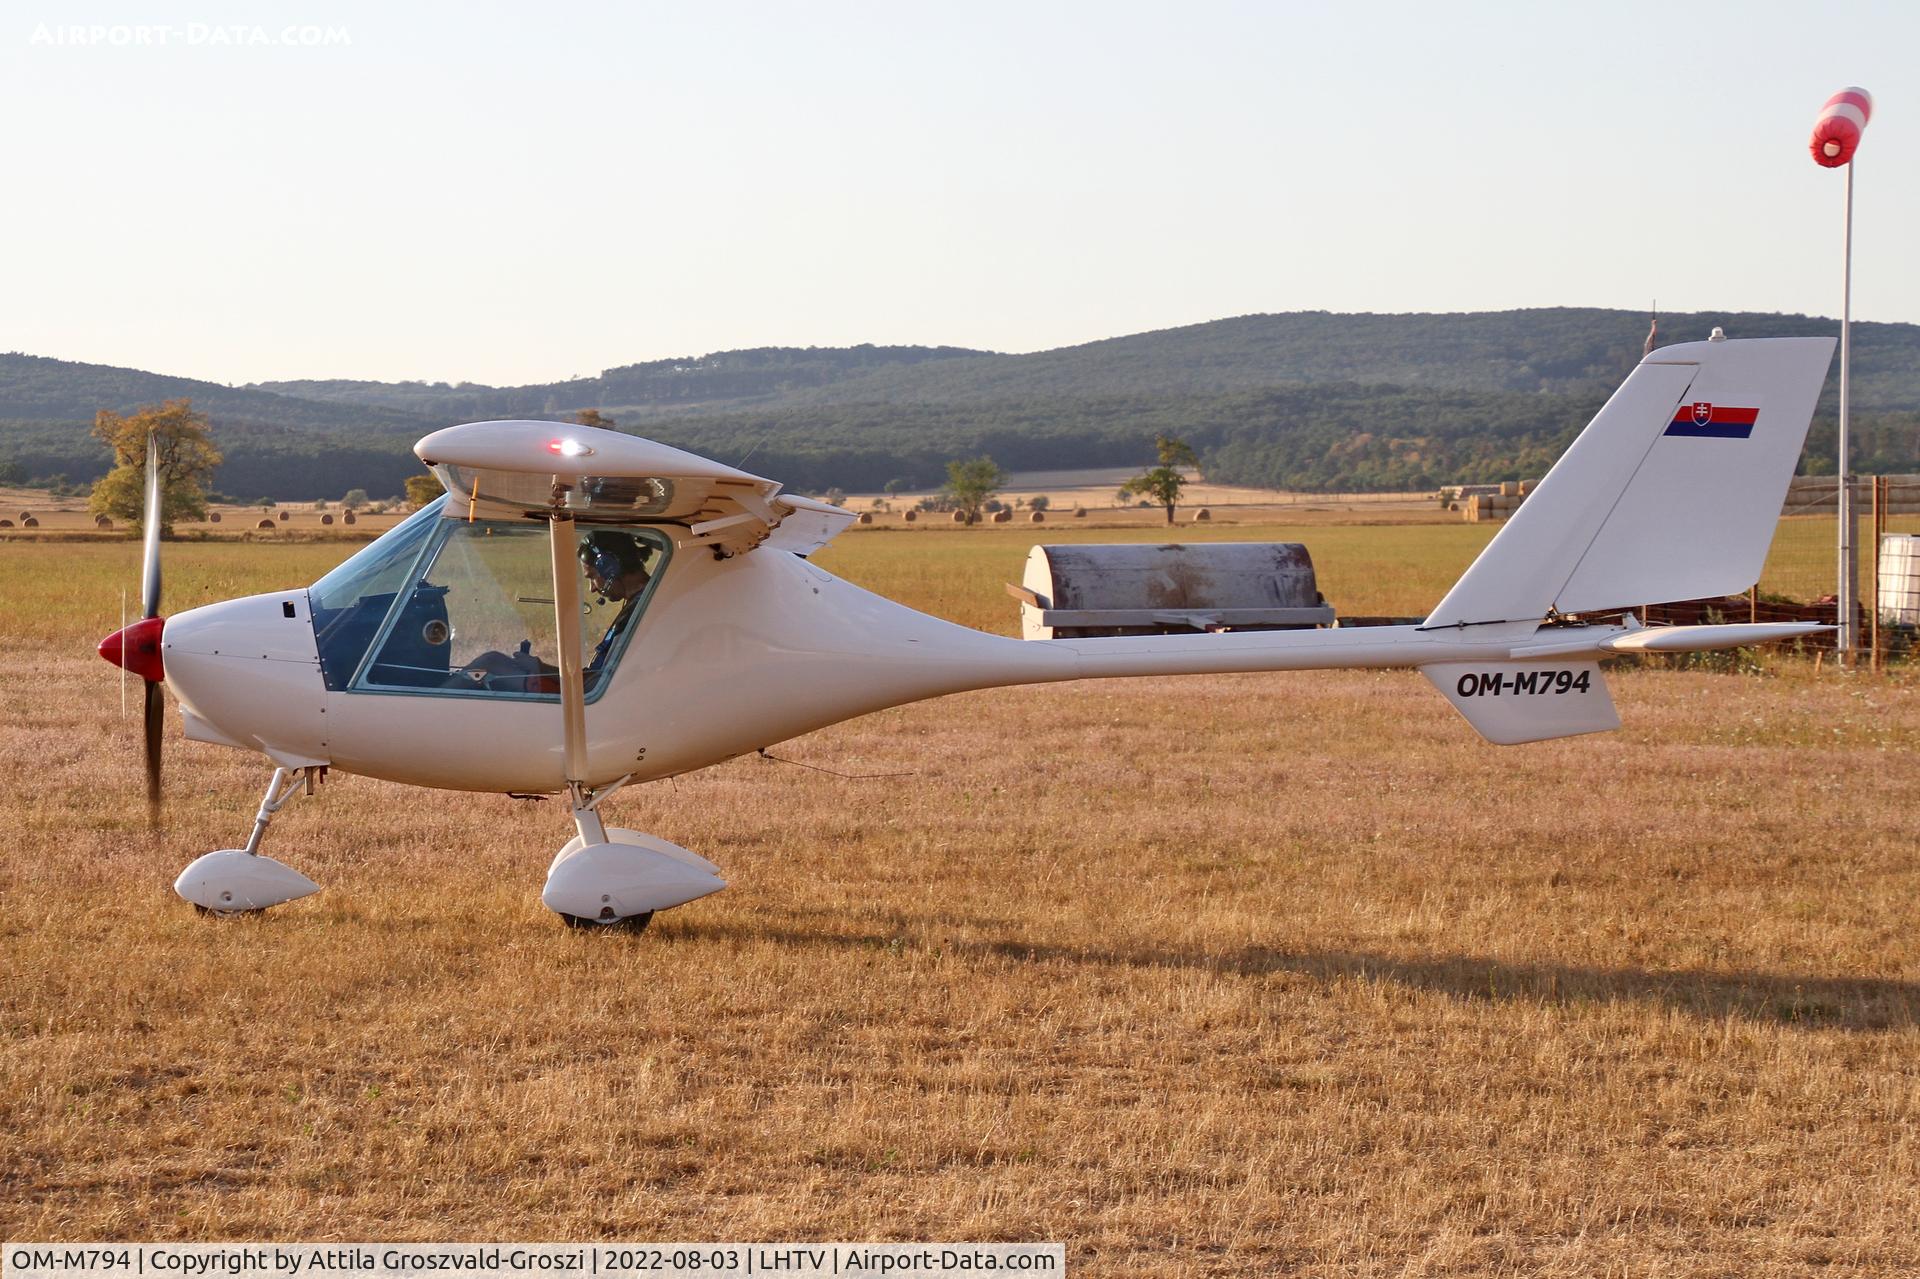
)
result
[(1556, 351), (279, 446), (733, 378), (1303, 400), (33, 388), (1552, 351)]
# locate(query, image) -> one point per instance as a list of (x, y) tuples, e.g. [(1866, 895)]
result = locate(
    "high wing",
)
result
[(596, 476), (571, 475)]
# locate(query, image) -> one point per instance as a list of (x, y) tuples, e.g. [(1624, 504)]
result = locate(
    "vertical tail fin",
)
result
[(1672, 492)]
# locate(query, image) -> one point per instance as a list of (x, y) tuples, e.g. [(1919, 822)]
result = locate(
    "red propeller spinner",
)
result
[(136, 648)]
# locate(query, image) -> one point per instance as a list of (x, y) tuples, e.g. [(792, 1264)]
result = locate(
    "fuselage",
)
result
[(730, 655)]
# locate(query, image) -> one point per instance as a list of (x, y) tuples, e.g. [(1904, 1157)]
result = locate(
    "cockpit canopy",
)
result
[(446, 606)]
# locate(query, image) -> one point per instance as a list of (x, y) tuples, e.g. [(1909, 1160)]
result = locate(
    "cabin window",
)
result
[(475, 615)]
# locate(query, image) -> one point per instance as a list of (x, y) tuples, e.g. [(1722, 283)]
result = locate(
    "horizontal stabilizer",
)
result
[(1700, 639), (1553, 642)]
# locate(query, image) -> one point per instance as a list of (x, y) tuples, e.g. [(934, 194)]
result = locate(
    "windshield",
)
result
[(349, 603)]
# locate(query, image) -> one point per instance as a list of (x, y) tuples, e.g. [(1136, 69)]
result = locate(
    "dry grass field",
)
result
[(1095, 489), (1202, 976)]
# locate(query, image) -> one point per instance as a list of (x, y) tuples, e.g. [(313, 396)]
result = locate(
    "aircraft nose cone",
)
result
[(137, 648)]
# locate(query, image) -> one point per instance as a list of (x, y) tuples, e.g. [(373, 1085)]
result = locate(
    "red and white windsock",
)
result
[(1837, 132)]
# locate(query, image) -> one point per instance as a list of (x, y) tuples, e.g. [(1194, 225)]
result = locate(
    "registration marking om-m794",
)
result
[(1523, 683)]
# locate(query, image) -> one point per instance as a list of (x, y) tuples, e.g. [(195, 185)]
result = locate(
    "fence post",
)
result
[(1880, 491)]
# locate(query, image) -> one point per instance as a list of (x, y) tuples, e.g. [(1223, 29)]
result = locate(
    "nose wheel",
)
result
[(634, 924), (236, 881)]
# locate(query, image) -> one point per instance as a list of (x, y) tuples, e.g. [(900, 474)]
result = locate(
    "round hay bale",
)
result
[(285, 516), (1202, 515), (102, 521), (265, 524), (866, 517), (326, 519), (959, 517), (1003, 516), (28, 521), (1079, 512), (213, 517), (349, 518), (1038, 517), (6, 523), (26, 515), (911, 516)]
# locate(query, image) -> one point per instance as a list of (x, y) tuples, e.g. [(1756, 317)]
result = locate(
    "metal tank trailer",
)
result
[(1084, 591)]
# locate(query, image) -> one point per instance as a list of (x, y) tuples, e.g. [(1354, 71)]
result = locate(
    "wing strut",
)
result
[(573, 683), (566, 620)]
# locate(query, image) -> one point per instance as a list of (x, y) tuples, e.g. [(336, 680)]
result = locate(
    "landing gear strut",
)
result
[(607, 877), (236, 880), (603, 878)]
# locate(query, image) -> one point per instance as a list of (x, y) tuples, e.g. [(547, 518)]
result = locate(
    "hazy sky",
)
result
[(514, 192)]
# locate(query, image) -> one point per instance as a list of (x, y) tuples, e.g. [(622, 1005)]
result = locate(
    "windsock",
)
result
[(1837, 131)]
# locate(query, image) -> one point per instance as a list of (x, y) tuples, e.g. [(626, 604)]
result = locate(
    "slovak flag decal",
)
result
[(1705, 420)]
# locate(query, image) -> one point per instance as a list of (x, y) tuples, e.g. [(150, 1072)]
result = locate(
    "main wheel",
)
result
[(635, 924)]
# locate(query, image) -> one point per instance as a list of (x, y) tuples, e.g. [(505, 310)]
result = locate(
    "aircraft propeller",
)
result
[(137, 647)]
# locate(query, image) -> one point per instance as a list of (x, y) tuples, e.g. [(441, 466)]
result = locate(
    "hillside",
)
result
[(726, 377), (1305, 400), (280, 446)]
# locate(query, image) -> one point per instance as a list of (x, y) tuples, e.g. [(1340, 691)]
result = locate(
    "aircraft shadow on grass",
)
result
[(1791, 1000)]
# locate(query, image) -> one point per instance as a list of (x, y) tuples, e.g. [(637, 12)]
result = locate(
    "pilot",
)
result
[(616, 569)]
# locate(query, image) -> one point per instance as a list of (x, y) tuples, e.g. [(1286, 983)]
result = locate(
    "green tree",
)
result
[(187, 460), (1162, 484), (11, 473), (422, 489), (593, 417), (971, 482), (354, 500), (1040, 502)]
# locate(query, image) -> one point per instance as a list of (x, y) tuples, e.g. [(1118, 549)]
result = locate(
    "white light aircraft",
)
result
[(585, 610)]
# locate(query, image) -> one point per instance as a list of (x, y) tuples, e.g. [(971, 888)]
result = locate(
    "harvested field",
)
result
[(69, 515), (1202, 976)]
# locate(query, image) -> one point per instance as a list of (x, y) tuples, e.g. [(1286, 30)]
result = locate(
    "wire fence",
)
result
[(1803, 567)]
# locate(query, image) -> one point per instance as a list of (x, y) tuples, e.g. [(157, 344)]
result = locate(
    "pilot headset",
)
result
[(601, 561)]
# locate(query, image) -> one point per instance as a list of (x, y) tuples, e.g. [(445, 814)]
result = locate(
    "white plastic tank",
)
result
[(1900, 578)]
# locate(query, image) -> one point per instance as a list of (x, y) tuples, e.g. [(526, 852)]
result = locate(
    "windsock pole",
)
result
[(1836, 136), (1849, 554)]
